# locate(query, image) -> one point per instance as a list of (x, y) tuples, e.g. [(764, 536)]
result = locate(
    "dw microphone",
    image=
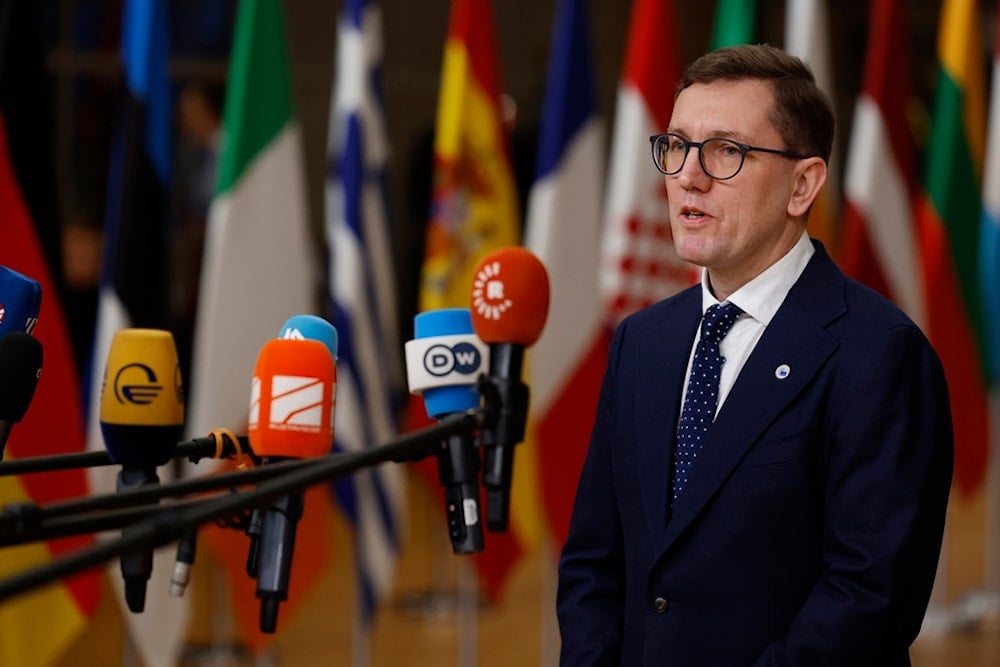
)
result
[(443, 364)]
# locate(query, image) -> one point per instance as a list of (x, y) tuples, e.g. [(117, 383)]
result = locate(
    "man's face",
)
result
[(738, 227)]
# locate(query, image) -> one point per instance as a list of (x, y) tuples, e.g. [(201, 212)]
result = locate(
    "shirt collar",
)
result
[(761, 297)]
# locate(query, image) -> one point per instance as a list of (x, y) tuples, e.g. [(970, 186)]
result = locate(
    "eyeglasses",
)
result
[(720, 158)]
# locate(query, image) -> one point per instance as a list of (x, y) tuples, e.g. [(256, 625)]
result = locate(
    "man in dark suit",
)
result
[(788, 508)]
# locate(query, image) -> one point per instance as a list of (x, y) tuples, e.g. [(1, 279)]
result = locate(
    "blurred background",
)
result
[(79, 81)]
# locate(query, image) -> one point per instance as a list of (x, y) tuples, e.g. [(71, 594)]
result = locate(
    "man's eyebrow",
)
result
[(715, 134)]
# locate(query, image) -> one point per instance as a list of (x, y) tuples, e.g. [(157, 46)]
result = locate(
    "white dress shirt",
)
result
[(759, 300)]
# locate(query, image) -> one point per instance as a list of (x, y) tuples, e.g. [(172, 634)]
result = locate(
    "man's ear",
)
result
[(810, 175)]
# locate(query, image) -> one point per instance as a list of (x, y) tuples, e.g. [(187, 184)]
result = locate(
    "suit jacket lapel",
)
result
[(660, 369), (795, 338)]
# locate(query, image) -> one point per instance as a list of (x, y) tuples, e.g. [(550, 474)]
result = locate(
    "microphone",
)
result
[(20, 300), (20, 368), (510, 301), (311, 327), (141, 416), (443, 364), (291, 416), (297, 327)]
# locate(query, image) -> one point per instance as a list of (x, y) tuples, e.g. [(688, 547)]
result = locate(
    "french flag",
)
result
[(563, 230)]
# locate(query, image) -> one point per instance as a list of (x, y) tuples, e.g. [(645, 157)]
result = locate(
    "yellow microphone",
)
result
[(142, 398), (142, 417)]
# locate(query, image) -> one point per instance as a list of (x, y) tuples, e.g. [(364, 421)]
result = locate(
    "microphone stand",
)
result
[(173, 522), (21, 523), (194, 450)]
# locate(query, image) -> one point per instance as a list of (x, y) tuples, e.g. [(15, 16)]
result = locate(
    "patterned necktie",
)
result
[(702, 392)]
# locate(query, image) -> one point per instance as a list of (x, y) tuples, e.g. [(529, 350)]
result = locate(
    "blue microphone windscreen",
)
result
[(443, 322), (20, 299), (311, 327), (464, 394)]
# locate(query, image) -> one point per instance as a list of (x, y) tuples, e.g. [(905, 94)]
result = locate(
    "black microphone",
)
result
[(20, 368), (510, 302), (141, 415), (443, 363), (20, 301)]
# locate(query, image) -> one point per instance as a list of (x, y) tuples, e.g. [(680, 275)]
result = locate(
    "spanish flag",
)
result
[(474, 211)]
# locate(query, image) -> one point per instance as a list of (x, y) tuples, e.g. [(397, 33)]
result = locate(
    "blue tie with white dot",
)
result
[(702, 392)]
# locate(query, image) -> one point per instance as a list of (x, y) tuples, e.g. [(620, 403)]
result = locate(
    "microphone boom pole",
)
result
[(174, 522)]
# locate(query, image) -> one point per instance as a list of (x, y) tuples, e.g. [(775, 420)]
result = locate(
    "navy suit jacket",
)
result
[(810, 527)]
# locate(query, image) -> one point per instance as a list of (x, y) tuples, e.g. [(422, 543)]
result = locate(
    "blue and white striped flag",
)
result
[(362, 298)]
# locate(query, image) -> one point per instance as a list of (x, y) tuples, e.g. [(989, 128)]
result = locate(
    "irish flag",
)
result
[(948, 215)]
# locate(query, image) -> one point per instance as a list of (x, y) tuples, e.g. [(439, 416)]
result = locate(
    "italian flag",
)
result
[(260, 266)]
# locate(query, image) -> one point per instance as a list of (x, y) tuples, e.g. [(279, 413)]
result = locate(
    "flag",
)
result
[(474, 210), (879, 246), (734, 23), (563, 230), (363, 300), (807, 36), (989, 232), (259, 267), (135, 279), (37, 628), (639, 264), (948, 214)]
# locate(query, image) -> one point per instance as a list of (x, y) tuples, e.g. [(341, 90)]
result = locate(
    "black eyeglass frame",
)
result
[(688, 144)]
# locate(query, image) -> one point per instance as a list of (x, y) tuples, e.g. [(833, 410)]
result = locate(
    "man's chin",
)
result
[(692, 251)]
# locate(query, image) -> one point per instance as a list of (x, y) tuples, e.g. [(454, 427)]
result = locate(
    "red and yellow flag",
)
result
[(38, 627), (474, 211)]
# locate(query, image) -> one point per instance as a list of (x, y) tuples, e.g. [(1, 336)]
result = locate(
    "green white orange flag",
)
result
[(948, 215)]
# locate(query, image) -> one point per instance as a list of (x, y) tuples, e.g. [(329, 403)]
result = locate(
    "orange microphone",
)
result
[(291, 416), (509, 304), (292, 398)]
